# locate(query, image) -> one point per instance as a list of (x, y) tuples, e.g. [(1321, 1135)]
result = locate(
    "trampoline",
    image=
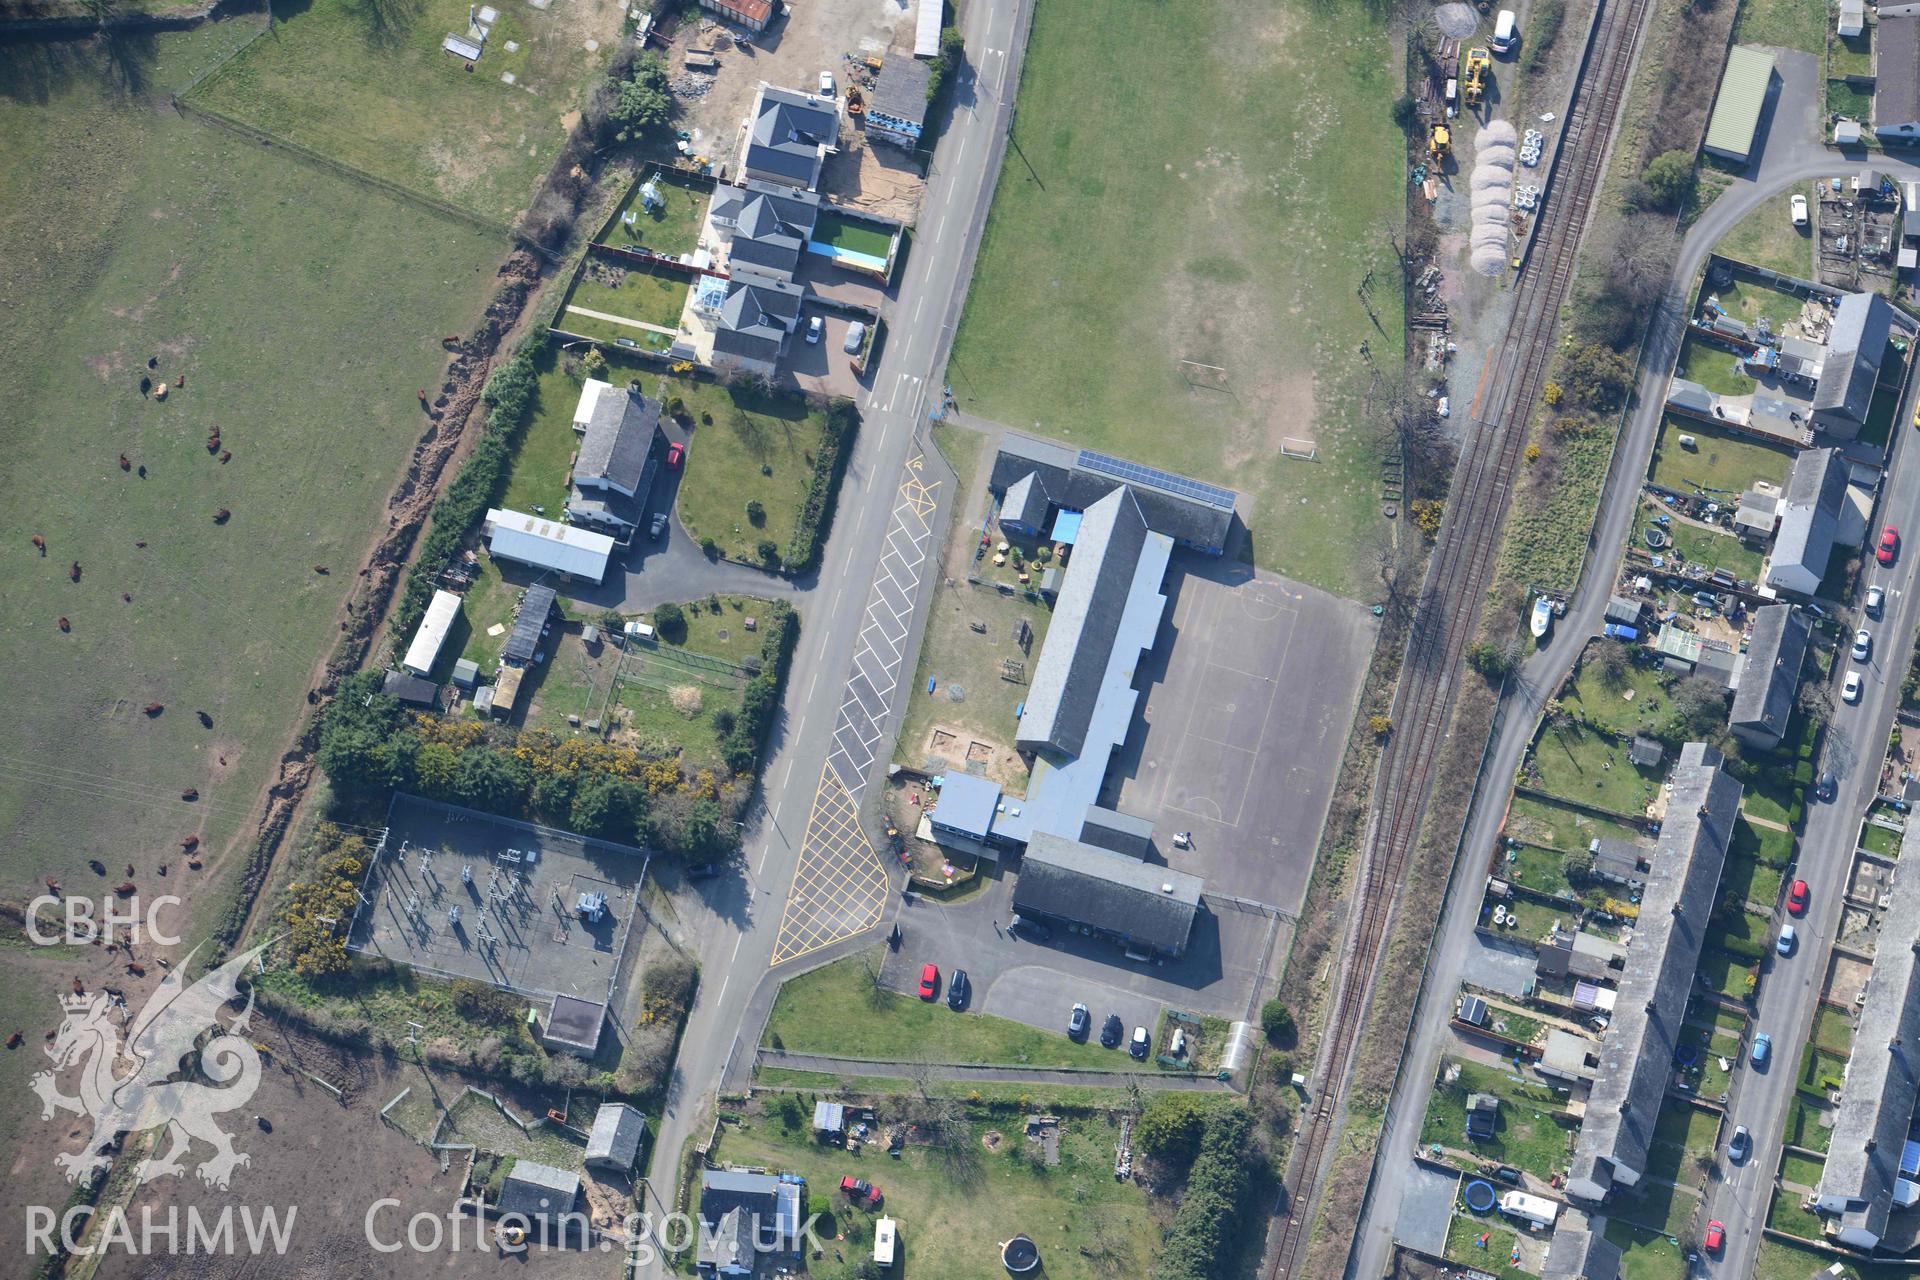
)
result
[(1479, 1196)]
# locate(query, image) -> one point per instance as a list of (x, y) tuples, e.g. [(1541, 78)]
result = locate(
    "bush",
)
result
[(1669, 180), (1201, 1241), (1170, 1128), (1491, 661), (1405, 113), (671, 621), (769, 552), (756, 513), (1276, 1020), (1596, 376), (791, 1117), (642, 102), (816, 512)]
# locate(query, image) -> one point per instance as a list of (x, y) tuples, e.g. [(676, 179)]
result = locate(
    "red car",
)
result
[(675, 452), (1889, 545), (1797, 898), (929, 980), (1716, 1235), (860, 1191)]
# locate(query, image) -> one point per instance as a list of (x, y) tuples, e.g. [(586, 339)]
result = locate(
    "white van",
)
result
[(1506, 32)]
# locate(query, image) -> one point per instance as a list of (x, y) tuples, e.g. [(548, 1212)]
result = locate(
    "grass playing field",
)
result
[(366, 82), (1225, 202), (303, 314)]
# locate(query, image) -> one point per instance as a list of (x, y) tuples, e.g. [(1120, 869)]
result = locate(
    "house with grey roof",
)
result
[(767, 225), (1140, 905), (1066, 682), (761, 1213), (753, 316), (1758, 513), (1117, 832), (789, 137), (619, 456), (1896, 73), (1763, 701), (897, 107), (1809, 521), (726, 1249), (1035, 479), (1636, 1052), (1580, 1251), (614, 1144), (1862, 1184), (1856, 345), (539, 1193)]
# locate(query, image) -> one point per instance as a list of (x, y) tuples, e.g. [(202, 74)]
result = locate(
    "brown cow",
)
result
[(226, 455), (190, 843), (40, 544), (155, 708), (126, 463), (65, 625), (222, 516), (127, 596)]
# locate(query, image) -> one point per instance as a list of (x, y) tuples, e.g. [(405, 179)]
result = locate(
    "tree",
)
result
[(641, 103), (1597, 376), (1700, 704), (702, 831), (1170, 1128), (593, 364), (769, 552), (756, 513), (1405, 113), (1491, 661), (1670, 179), (609, 807), (672, 622), (491, 780), (1610, 660), (1277, 1021)]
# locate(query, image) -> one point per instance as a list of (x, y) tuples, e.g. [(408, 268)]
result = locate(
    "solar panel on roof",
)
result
[(1121, 469), (1910, 1159)]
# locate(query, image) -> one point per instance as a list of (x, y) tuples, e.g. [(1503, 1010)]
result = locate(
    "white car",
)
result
[(1799, 207), (856, 334), (1862, 644), (826, 91), (815, 327), (1876, 598), (1850, 691)]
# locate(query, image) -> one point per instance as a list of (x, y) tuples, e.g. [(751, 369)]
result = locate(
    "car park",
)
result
[(1111, 1030), (929, 981), (1862, 644), (1889, 545), (959, 990), (1762, 1049), (1876, 597), (1741, 1145), (1079, 1021), (1824, 789), (1797, 898), (1850, 687), (1784, 944), (1140, 1043)]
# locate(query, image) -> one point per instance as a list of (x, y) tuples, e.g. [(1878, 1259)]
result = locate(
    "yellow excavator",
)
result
[(1473, 79), (1439, 143)]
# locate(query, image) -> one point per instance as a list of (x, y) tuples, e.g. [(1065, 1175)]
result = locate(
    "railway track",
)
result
[(1457, 579)]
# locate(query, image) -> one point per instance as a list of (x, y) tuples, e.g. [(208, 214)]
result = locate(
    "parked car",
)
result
[(1111, 1031), (1140, 1043), (1799, 207), (815, 327), (1889, 545), (1031, 930), (1716, 1235), (1850, 687), (1079, 1021), (860, 1191), (1862, 644), (929, 980), (959, 990), (1797, 898), (1762, 1049), (675, 452), (826, 84), (1824, 789), (856, 334), (1741, 1145), (1876, 597), (1784, 944), (658, 525)]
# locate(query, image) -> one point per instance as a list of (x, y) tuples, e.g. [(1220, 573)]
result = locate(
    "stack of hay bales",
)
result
[(1491, 193)]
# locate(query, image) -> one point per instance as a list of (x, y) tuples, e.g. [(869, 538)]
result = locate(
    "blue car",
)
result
[(1762, 1046)]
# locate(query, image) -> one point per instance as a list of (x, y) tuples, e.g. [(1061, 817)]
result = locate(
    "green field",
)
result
[(1484, 1242), (1767, 237), (952, 1205), (368, 84), (836, 1011), (1884, 841), (958, 658), (304, 313), (1639, 705), (1644, 1254), (1720, 461), (1796, 24), (1227, 204)]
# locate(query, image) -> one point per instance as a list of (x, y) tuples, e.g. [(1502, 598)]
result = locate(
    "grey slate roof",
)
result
[(1580, 1253), (1855, 348), (1883, 1073), (772, 224), (1896, 67), (728, 1246), (618, 442), (1069, 484), (1716, 661), (788, 131), (1636, 1053), (1764, 701), (1682, 394), (1066, 681), (538, 1190), (524, 640), (725, 1189), (1076, 882), (1810, 512), (410, 688), (1646, 752), (900, 91), (757, 317), (1026, 501), (618, 1131), (1117, 832)]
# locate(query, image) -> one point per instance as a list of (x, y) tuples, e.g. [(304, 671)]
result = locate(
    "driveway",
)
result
[(823, 368)]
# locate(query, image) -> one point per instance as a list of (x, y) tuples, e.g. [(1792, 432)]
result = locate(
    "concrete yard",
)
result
[(1250, 692), (544, 946)]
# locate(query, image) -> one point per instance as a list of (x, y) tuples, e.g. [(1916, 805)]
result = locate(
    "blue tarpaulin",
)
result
[(1066, 527)]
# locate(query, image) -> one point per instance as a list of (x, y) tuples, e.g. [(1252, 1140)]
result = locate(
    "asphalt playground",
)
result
[(1250, 692)]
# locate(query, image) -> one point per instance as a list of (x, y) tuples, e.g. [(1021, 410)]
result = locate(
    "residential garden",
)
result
[(1534, 1131), (1720, 462)]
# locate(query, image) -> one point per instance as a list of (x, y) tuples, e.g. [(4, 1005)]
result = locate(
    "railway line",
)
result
[(1457, 579)]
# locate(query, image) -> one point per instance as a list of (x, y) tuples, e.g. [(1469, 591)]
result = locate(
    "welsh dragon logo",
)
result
[(165, 1032)]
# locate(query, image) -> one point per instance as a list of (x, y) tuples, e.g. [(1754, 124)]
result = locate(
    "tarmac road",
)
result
[(736, 923)]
